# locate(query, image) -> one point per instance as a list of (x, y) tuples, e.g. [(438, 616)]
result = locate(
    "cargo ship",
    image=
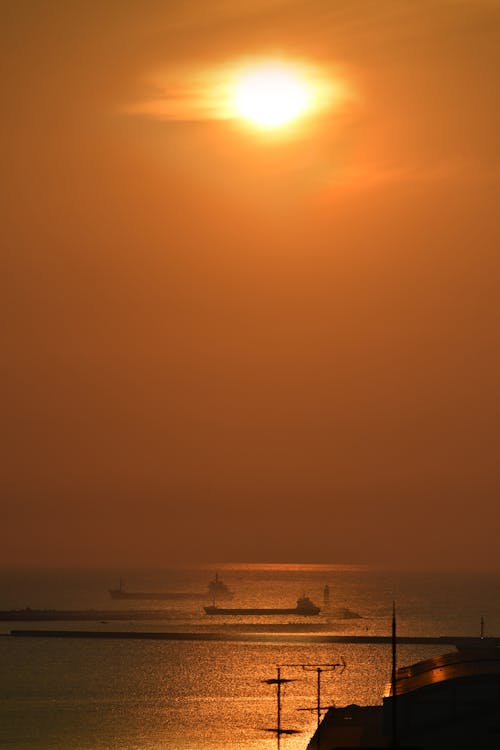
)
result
[(304, 607), (217, 589)]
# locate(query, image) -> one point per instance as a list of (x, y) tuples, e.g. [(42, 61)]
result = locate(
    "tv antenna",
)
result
[(319, 669), (279, 681)]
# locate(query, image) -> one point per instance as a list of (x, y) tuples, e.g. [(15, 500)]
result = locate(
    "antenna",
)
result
[(393, 680), (279, 681), (320, 668)]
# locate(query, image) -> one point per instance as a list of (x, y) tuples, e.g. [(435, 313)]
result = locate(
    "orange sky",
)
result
[(222, 345)]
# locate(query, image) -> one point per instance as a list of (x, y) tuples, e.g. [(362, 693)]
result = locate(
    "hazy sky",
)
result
[(220, 344)]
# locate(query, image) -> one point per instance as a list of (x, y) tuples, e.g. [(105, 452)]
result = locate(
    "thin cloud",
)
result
[(204, 94), (379, 175)]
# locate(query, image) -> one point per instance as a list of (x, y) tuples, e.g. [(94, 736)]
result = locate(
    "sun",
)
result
[(271, 95)]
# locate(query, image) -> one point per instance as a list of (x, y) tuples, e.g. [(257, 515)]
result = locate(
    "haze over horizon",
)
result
[(223, 344)]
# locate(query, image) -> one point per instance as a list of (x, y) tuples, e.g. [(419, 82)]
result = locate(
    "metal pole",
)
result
[(393, 680), (279, 705), (319, 707), (319, 695)]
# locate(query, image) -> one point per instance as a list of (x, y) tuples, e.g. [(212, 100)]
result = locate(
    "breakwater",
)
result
[(79, 615), (263, 637)]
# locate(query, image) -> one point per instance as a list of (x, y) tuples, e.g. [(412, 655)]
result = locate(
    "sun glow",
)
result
[(269, 94), (272, 95)]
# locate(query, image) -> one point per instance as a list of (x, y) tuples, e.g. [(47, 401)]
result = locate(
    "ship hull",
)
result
[(217, 589), (261, 611), (155, 596)]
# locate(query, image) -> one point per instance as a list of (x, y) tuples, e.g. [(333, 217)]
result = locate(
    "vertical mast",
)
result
[(279, 701), (318, 696), (279, 681), (393, 680)]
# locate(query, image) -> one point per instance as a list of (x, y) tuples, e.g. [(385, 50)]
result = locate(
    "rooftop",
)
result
[(460, 664)]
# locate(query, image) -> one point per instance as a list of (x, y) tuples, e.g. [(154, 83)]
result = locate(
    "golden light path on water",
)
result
[(286, 567), (109, 694)]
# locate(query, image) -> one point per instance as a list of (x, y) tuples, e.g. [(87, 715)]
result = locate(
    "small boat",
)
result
[(304, 607), (343, 613), (217, 589)]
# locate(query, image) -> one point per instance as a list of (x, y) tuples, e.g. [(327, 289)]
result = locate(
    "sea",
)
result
[(115, 694)]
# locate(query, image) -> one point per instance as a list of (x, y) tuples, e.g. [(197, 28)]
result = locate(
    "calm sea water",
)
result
[(171, 695)]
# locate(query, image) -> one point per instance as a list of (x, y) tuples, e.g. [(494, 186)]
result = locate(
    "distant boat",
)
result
[(304, 607), (343, 613), (217, 589)]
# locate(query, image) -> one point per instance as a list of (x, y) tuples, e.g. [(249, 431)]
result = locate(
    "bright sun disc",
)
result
[(271, 95)]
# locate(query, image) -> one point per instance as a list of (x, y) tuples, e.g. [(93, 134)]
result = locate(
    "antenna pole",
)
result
[(318, 708), (279, 704), (318, 695), (279, 681), (393, 680)]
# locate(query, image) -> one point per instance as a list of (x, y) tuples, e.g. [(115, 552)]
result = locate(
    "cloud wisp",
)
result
[(198, 94)]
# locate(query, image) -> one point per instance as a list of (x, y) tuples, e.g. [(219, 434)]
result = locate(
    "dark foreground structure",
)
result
[(450, 701)]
